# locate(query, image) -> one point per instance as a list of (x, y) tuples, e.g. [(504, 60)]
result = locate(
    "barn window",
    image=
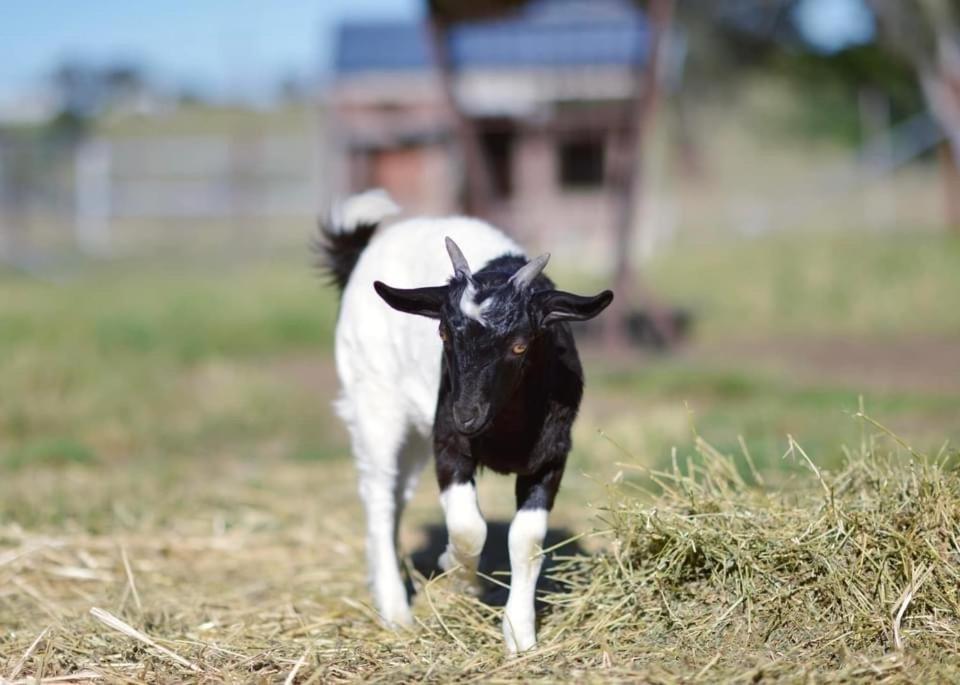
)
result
[(581, 163)]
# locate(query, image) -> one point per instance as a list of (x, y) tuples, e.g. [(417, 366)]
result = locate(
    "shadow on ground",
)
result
[(495, 559)]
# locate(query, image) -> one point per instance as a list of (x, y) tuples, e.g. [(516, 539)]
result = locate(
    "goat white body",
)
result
[(389, 364)]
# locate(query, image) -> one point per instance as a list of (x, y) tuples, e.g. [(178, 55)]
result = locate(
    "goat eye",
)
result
[(519, 348)]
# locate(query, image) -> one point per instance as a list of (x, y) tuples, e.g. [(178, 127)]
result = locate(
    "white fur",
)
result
[(467, 532), (389, 368), (469, 306), (368, 208), (527, 531)]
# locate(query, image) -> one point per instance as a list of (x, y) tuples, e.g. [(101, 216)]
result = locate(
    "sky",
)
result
[(242, 47), (834, 24), (233, 44)]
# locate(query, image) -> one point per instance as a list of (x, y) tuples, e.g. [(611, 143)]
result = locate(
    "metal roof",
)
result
[(548, 33)]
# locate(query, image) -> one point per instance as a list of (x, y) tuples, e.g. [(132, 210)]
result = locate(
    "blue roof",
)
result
[(549, 33)]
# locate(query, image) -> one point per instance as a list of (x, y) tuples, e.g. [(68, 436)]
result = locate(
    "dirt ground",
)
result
[(910, 363)]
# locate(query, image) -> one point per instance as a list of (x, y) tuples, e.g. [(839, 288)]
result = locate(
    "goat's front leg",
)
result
[(535, 495), (466, 529), (467, 533)]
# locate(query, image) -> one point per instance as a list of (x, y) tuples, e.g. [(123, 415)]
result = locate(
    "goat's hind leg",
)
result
[(377, 449), (411, 460)]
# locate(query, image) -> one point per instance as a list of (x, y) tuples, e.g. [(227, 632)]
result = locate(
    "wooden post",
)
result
[(92, 197), (6, 212), (880, 208), (629, 182), (478, 189), (950, 174)]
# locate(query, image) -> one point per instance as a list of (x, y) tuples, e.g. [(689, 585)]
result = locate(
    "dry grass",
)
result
[(702, 575)]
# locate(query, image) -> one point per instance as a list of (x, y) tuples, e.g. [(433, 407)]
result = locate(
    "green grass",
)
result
[(135, 361), (185, 314), (50, 452), (843, 283), (152, 360), (737, 407)]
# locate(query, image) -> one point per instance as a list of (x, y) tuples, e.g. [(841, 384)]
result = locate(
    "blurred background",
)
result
[(771, 186)]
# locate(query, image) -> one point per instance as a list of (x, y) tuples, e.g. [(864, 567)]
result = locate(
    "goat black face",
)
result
[(492, 325), (484, 367)]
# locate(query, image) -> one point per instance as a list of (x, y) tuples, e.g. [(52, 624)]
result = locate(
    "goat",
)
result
[(497, 386)]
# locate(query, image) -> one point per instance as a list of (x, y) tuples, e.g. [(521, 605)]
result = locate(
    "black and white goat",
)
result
[(497, 386)]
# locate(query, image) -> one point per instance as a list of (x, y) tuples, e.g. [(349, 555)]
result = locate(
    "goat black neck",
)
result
[(551, 385)]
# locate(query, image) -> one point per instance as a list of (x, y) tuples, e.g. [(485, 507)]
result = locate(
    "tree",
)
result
[(630, 182), (926, 33)]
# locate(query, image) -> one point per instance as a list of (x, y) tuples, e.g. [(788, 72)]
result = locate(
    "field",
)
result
[(168, 459)]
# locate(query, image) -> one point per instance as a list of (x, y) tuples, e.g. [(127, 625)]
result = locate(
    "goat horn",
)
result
[(460, 266), (529, 271)]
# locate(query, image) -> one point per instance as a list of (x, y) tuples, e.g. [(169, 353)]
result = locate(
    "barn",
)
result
[(543, 92)]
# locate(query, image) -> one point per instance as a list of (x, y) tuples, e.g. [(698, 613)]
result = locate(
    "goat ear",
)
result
[(556, 305), (421, 301)]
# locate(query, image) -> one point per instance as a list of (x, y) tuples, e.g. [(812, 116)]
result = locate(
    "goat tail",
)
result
[(347, 229)]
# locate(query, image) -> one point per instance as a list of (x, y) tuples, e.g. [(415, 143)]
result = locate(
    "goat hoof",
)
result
[(519, 636), (470, 586), (446, 562), (463, 580), (397, 617)]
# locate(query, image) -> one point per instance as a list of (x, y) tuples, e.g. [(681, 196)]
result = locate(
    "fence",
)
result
[(225, 191), (109, 195)]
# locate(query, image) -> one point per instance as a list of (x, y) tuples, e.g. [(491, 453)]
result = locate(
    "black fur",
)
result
[(529, 436), (498, 409), (339, 251)]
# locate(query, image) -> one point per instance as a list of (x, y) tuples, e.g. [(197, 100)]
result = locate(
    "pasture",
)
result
[(168, 458)]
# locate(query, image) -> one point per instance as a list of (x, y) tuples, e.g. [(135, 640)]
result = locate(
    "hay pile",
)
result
[(840, 577), (856, 576), (843, 577)]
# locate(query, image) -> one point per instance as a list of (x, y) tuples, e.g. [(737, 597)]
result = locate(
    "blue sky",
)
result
[(835, 24), (239, 46), (231, 44)]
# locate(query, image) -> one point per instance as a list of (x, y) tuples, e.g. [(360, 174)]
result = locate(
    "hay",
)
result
[(704, 575), (857, 577)]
